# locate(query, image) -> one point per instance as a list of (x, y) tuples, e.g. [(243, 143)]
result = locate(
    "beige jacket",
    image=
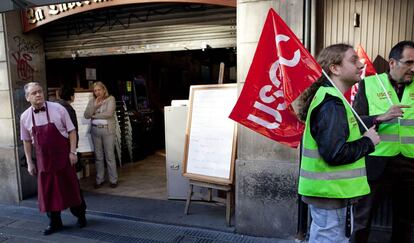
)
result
[(107, 111)]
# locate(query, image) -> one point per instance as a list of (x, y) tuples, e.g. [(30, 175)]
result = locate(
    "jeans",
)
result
[(328, 225)]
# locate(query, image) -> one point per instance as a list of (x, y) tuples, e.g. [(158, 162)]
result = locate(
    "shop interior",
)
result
[(142, 84)]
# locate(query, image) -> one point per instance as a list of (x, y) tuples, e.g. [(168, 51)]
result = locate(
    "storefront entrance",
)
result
[(147, 55), (143, 84)]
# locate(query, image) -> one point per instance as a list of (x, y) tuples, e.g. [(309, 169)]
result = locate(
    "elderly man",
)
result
[(47, 127)]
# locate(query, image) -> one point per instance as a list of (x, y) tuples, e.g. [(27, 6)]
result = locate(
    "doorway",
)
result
[(143, 84)]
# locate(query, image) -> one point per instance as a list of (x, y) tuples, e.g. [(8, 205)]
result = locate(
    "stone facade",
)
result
[(266, 172), (21, 61), (8, 172)]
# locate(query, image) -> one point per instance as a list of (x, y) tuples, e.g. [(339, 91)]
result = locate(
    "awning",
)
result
[(10, 5)]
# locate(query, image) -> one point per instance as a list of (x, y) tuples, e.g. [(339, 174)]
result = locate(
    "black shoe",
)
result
[(82, 222), (113, 185), (97, 186), (52, 229)]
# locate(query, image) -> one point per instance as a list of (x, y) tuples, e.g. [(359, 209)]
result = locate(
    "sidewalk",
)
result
[(126, 221)]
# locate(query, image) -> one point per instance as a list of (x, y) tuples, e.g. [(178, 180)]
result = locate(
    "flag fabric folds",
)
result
[(368, 70), (280, 71)]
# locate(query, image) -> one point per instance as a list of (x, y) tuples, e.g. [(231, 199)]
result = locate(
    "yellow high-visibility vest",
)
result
[(397, 135), (319, 179)]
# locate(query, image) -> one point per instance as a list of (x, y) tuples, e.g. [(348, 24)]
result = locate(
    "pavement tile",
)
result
[(25, 224)]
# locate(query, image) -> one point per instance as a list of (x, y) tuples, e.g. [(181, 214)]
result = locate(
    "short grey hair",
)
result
[(28, 85)]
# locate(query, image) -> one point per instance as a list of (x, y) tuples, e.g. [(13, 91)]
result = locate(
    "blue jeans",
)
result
[(328, 225)]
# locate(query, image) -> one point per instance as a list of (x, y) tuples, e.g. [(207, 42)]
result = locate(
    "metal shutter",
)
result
[(140, 29)]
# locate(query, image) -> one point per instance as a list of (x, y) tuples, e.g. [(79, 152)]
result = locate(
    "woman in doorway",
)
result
[(101, 111)]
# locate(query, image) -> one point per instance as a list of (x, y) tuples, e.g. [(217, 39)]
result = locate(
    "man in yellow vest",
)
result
[(332, 169), (392, 163)]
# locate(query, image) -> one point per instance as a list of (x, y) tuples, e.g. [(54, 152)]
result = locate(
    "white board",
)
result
[(79, 104), (210, 138)]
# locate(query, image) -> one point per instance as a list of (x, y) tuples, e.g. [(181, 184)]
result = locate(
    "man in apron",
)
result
[(47, 127)]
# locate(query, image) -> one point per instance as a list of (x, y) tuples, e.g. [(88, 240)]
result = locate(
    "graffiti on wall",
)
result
[(23, 57)]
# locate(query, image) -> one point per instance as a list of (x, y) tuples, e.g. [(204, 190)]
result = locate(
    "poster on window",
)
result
[(90, 73)]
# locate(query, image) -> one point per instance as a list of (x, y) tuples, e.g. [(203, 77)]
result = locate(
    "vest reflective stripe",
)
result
[(407, 122), (337, 175), (319, 179), (407, 140), (392, 121), (314, 154), (402, 127), (390, 138)]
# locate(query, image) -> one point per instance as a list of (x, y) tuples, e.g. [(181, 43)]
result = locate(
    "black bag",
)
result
[(79, 165)]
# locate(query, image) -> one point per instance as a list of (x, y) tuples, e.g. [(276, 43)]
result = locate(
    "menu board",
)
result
[(84, 125), (211, 135)]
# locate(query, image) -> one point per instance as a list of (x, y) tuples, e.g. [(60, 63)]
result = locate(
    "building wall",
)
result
[(24, 62), (266, 171), (382, 23), (8, 172)]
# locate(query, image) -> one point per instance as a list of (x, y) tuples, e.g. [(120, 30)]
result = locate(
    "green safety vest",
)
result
[(397, 135), (318, 178)]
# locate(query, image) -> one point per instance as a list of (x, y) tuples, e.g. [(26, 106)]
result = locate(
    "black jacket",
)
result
[(72, 115), (329, 128)]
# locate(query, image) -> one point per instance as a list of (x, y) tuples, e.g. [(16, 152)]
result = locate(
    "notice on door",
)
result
[(79, 104), (211, 134)]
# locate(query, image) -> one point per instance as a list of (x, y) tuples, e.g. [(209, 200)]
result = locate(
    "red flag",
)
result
[(280, 71), (368, 70)]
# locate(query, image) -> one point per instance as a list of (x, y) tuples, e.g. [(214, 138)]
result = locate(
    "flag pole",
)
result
[(342, 95), (383, 87)]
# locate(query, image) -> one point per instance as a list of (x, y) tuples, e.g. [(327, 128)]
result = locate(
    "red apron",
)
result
[(57, 183)]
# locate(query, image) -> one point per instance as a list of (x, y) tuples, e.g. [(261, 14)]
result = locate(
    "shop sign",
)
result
[(37, 16)]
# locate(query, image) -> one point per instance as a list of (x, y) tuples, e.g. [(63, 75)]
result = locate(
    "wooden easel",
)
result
[(87, 158), (215, 169), (228, 201)]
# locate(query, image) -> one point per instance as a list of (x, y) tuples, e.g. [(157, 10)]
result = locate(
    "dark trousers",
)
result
[(398, 183), (78, 211)]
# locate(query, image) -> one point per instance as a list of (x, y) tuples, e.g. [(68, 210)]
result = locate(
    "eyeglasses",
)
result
[(407, 63)]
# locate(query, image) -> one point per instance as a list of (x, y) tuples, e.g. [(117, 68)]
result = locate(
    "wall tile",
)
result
[(8, 176), (2, 48), (243, 64), (4, 81), (5, 105), (6, 133)]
